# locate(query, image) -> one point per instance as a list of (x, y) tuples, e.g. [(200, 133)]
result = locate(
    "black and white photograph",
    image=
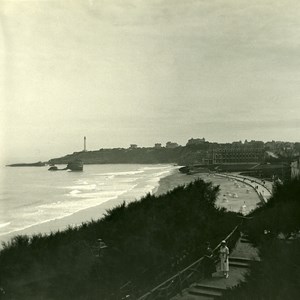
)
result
[(149, 149)]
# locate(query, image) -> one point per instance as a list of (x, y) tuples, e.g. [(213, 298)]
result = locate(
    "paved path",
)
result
[(208, 289), (235, 195)]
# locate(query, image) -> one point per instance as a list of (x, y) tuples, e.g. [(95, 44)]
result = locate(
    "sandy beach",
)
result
[(165, 184), (233, 196), (168, 183)]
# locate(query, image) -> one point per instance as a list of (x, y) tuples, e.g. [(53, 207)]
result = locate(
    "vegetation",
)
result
[(148, 241), (129, 156), (180, 155), (275, 230)]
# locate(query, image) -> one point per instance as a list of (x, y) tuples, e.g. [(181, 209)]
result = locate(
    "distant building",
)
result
[(171, 145), (295, 169), (133, 146), (235, 153), (237, 143), (197, 141), (270, 146), (157, 146)]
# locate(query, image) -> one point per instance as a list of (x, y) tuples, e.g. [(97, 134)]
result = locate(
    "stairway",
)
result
[(240, 260), (245, 239), (209, 291)]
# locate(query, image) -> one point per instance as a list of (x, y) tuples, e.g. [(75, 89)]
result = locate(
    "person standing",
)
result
[(224, 259), (209, 267)]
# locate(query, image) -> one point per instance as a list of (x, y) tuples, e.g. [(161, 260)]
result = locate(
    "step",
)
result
[(243, 240), (245, 235), (204, 292), (240, 259), (194, 297), (239, 264), (209, 287)]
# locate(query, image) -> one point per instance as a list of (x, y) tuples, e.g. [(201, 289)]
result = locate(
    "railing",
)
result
[(190, 274), (239, 177)]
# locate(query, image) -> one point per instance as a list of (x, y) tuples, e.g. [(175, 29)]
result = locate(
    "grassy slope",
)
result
[(147, 240)]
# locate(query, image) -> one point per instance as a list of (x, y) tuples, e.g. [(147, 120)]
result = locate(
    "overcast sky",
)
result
[(141, 71)]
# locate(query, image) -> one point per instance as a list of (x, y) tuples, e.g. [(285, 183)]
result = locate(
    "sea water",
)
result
[(33, 195)]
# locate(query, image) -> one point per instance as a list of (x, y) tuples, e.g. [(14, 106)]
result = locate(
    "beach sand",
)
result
[(233, 196), (166, 184), (170, 182)]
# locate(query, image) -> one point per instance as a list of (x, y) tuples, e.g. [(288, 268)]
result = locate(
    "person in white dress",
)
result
[(224, 259)]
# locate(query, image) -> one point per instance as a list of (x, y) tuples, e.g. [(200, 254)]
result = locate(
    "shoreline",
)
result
[(76, 219), (165, 184), (174, 180)]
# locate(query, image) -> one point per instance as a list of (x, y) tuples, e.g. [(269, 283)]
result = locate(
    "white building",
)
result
[(133, 146), (295, 169)]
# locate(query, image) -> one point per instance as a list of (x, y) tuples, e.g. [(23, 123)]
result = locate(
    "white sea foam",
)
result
[(122, 173), (82, 187), (80, 181), (155, 168), (127, 180), (74, 192), (68, 208), (4, 224), (48, 203), (104, 175), (162, 173), (79, 204), (99, 195)]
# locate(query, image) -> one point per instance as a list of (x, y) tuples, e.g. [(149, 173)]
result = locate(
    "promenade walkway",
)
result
[(263, 189), (208, 289)]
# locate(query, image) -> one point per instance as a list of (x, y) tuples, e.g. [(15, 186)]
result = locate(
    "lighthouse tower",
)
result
[(84, 144)]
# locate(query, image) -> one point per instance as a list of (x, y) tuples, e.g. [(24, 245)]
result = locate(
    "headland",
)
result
[(36, 164)]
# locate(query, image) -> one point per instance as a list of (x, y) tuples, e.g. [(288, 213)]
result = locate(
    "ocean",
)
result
[(31, 196)]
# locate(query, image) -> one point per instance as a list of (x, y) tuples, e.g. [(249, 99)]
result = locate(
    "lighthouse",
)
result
[(84, 144)]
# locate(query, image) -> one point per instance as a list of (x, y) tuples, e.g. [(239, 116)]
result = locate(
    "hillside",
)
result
[(147, 241), (178, 155), (275, 228)]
